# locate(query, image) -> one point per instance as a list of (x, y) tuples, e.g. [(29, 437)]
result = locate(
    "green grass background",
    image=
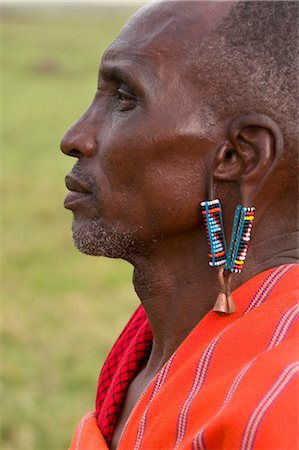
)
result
[(61, 310)]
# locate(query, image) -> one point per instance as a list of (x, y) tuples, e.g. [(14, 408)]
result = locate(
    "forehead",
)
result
[(165, 31), (144, 37)]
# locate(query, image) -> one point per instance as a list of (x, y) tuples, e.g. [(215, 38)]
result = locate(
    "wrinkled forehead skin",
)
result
[(164, 32)]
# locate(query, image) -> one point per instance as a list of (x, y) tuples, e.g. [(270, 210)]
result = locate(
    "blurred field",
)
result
[(60, 310)]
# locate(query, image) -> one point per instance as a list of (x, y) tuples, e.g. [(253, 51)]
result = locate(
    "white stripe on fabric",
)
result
[(255, 419)]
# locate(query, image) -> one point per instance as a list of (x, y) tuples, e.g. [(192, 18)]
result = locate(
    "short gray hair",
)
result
[(253, 55)]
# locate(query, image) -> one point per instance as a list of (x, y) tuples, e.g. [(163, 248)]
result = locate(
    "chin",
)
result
[(97, 238)]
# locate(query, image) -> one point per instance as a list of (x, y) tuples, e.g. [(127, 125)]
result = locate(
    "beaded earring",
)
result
[(233, 261), (212, 215), (241, 234)]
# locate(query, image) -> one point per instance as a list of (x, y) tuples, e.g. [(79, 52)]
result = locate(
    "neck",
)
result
[(177, 287)]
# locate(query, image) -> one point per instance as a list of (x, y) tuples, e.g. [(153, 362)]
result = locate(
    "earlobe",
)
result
[(250, 155)]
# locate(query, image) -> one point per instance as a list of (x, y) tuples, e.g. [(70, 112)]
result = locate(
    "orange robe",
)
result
[(232, 383)]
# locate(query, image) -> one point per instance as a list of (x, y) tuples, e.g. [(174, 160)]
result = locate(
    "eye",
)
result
[(124, 98)]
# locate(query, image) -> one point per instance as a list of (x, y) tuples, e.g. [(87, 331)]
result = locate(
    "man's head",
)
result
[(191, 94)]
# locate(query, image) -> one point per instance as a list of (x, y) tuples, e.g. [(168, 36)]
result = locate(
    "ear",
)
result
[(254, 147)]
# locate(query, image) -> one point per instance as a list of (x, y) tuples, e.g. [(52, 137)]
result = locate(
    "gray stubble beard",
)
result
[(99, 239)]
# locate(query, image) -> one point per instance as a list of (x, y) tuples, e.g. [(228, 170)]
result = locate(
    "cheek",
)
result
[(172, 193), (154, 179), (160, 191)]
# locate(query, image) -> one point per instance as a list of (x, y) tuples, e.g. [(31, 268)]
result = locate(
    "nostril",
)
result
[(68, 147), (78, 141), (75, 153)]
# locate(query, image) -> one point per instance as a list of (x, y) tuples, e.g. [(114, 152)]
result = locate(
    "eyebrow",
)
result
[(114, 72)]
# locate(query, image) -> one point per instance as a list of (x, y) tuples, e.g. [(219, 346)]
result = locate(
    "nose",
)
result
[(80, 139)]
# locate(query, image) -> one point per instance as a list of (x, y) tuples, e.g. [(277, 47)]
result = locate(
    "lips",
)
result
[(79, 192), (73, 184)]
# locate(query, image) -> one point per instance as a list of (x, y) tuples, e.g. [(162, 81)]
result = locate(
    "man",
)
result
[(195, 101)]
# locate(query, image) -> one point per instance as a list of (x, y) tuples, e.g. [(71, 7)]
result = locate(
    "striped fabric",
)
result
[(278, 336), (160, 380), (266, 402), (233, 382)]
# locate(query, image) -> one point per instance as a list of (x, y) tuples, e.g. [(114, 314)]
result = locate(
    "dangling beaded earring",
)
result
[(212, 215), (232, 262), (241, 234)]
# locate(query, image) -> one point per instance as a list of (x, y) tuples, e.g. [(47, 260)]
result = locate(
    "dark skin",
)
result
[(152, 163)]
